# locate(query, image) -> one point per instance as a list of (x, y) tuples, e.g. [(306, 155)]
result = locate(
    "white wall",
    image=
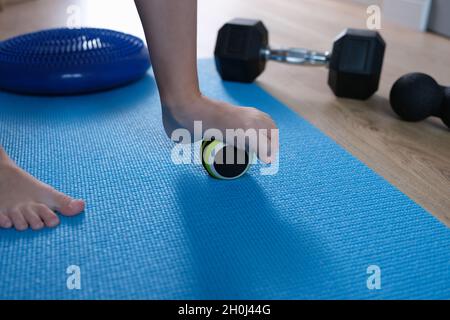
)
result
[(440, 17), (410, 13)]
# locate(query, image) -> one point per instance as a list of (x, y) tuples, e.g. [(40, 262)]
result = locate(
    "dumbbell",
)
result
[(355, 64), (417, 96)]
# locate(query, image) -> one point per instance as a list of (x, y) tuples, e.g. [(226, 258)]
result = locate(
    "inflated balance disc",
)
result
[(71, 61)]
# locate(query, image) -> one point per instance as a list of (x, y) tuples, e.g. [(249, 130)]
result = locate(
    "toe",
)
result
[(18, 220), (33, 219), (5, 221), (50, 218), (66, 205)]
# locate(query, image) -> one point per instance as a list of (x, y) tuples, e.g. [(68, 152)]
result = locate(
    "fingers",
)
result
[(268, 138), (273, 137), (263, 148), (274, 145)]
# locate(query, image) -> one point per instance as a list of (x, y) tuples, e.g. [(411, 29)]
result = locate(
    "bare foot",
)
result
[(26, 202), (222, 116)]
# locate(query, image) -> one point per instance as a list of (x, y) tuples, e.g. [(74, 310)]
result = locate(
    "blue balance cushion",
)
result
[(71, 61)]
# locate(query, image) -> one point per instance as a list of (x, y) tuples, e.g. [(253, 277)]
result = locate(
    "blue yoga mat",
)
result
[(153, 230)]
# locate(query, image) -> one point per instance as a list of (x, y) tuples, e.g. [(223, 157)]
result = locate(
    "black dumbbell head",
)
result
[(417, 96), (446, 107), (238, 50), (356, 64)]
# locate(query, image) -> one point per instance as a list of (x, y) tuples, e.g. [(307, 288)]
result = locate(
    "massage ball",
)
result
[(223, 161)]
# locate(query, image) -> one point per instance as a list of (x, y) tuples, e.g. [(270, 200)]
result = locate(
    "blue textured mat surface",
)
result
[(154, 230)]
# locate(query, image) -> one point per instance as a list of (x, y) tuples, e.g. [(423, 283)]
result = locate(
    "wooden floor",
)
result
[(413, 157)]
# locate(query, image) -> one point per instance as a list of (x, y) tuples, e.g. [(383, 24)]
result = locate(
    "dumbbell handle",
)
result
[(297, 56)]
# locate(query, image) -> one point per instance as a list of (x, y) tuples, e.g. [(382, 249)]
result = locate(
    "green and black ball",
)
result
[(214, 159)]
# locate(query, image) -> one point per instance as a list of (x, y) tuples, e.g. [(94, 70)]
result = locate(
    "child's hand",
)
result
[(222, 116), (171, 31)]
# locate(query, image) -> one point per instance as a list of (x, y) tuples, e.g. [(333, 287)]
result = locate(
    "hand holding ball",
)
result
[(223, 161)]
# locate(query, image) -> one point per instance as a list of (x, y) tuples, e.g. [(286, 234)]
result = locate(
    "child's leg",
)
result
[(27, 202), (171, 30)]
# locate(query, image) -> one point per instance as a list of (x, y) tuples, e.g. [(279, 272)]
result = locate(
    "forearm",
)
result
[(171, 30)]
